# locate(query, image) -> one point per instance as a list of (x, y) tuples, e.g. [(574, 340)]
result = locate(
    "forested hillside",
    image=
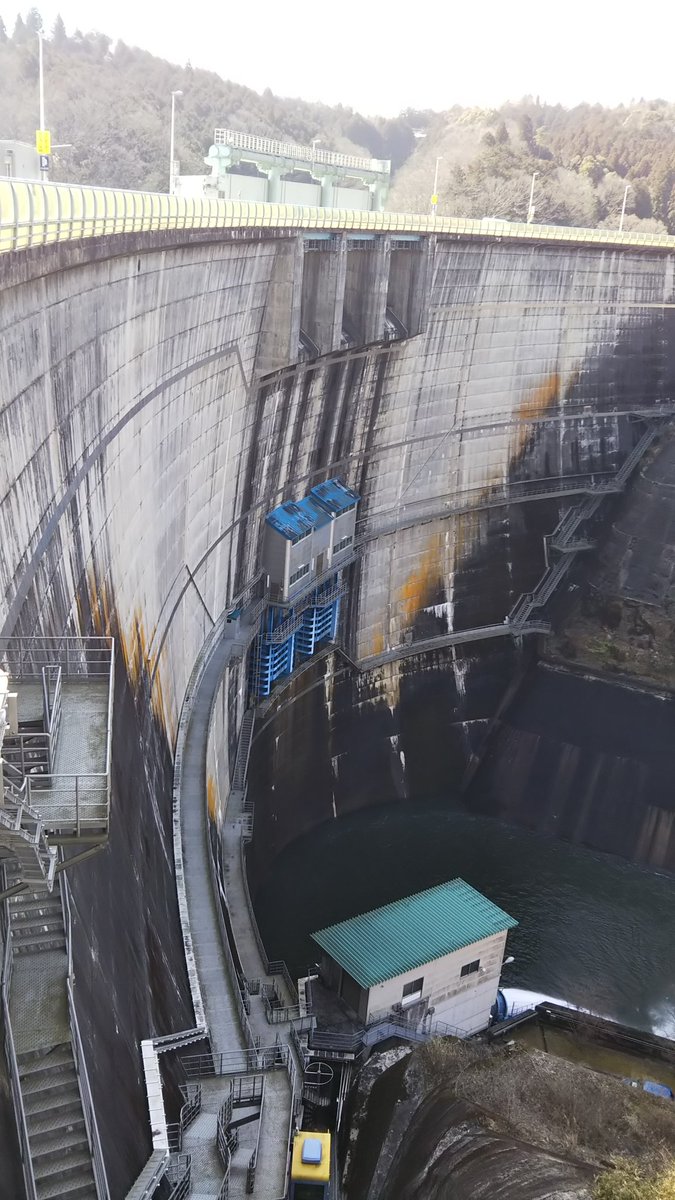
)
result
[(113, 104), (583, 158)]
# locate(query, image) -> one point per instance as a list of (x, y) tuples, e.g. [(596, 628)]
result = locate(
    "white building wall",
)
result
[(344, 197), (293, 192), (464, 1003), (275, 556), (240, 187), (19, 160), (191, 185)]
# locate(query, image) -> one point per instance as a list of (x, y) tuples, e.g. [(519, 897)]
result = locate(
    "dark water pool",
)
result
[(593, 929)]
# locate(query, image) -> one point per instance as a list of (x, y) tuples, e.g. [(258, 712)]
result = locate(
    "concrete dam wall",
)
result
[(154, 409)]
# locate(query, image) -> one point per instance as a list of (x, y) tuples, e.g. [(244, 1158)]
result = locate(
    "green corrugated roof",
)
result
[(402, 936)]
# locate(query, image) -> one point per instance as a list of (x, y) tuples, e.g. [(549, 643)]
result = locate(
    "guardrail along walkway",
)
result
[(219, 1002), (35, 214), (210, 955)]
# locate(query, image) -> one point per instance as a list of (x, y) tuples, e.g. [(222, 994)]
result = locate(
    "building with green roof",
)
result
[(436, 953)]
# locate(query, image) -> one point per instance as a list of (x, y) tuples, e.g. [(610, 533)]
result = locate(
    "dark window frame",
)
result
[(299, 573), (412, 991), (471, 968)]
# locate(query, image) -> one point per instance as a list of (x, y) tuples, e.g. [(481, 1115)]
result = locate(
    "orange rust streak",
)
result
[(535, 405), (418, 590), (211, 798)]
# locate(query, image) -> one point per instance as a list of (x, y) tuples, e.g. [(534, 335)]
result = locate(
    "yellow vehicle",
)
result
[(310, 1166)]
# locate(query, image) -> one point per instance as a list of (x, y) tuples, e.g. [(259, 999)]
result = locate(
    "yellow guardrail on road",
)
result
[(35, 214)]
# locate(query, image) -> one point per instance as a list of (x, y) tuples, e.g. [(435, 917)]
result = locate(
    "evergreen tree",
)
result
[(527, 130), (33, 22), (3, 31), (19, 35), (59, 35)]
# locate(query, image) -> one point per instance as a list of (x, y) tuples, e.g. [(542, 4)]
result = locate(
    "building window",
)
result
[(301, 571), (412, 991), (342, 544), (470, 968)]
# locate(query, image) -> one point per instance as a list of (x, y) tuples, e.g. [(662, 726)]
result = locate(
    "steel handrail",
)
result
[(235, 1062), (27, 655), (189, 1112), (180, 1164), (591, 482), (253, 1161), (36, 214), (236, 979), (12, 1063), (109, 729), (90, 1122), (273, 966), (278, 149), (160, 1158)]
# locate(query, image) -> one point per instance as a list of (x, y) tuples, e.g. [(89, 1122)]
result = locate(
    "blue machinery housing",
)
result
[(305, 544), (279, 651)]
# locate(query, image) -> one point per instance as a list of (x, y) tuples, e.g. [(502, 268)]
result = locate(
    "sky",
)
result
[(381, 58)]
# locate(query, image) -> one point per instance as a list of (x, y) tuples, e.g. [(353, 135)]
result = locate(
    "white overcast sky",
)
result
[(386, 56)]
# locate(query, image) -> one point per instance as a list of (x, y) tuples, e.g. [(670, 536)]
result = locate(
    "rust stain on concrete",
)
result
[(421, 585), (535, 405), (212, 798)]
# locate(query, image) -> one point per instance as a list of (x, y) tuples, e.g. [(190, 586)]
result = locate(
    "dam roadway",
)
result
[(156, 404)]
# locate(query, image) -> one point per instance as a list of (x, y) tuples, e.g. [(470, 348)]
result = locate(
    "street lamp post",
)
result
[(530, 207), (434, 197), (44, 171), (172, 178), (623, 206)]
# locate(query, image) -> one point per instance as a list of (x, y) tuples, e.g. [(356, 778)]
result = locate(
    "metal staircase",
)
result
[(564, 541), (57, 1136), (22, 834), (55, 741), (243, 751), (43, 1074), (22, 831)]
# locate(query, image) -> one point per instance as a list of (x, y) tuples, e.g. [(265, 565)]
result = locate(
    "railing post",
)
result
[(77, 804)]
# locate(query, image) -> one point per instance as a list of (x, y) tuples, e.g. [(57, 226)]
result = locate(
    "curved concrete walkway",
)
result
[(214, 978), (215, 982)]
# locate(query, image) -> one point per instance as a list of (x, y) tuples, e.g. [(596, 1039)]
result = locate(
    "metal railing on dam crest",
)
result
[(36, 214)]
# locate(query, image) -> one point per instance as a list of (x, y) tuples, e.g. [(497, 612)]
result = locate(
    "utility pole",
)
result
[(530, 207), (42, 137), (434, 196), (172, 175), (315, 142), (623, 206)]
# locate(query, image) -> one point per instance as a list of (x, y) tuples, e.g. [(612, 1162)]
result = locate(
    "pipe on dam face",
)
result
[(153, 411)]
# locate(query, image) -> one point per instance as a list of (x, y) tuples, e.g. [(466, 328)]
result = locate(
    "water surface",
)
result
[(594, 930)]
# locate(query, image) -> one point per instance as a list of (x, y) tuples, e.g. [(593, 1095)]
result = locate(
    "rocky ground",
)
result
[(466, 1121)]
